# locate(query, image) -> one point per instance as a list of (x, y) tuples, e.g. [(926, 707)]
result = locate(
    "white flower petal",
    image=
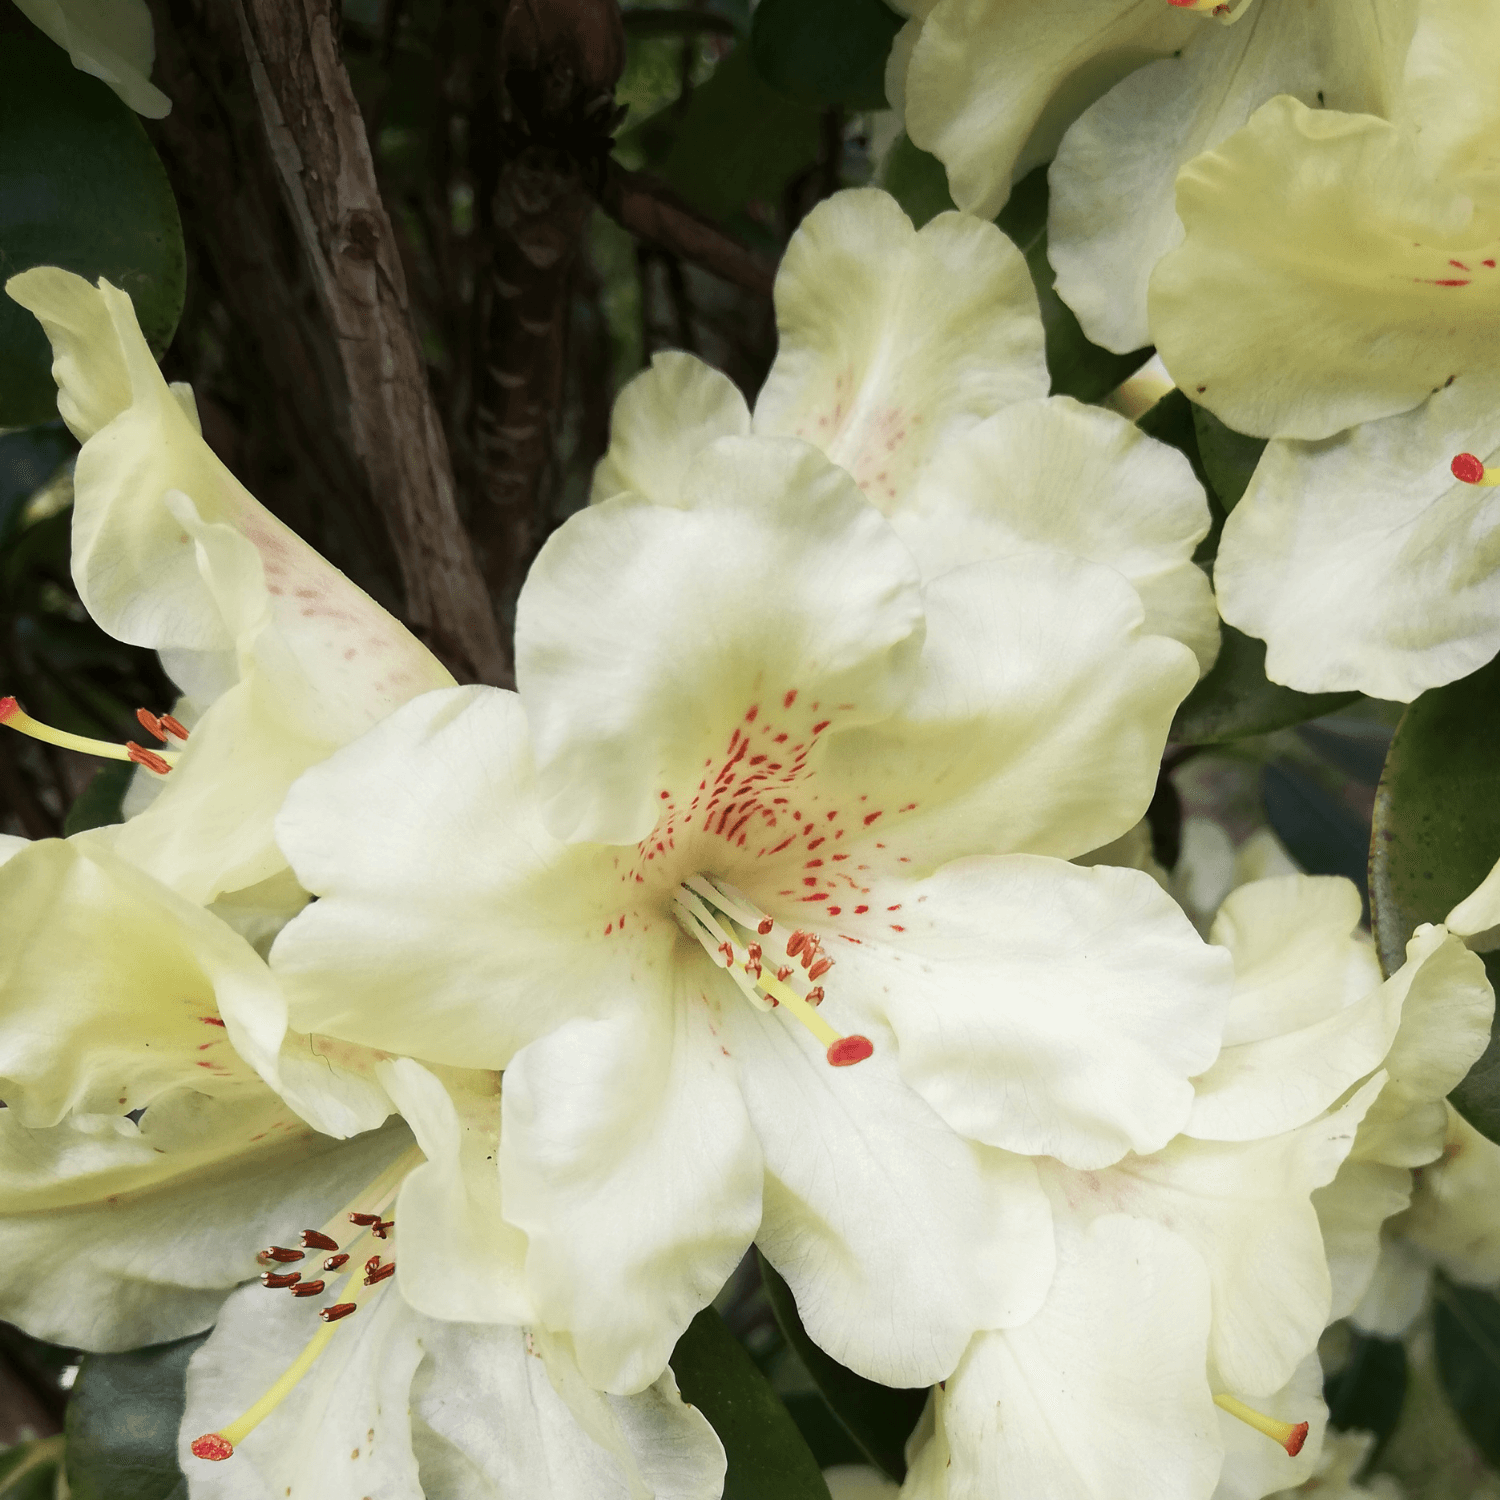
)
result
[(662, 420), (1254, 1464), (884, 1223), (1104, 1392), (627, 1158), (116, 1235), (1396, 1294), (893, 341), (1362, 562), (1475, 914), (1453, 1215), (459, 1258), (112, 40), (1042, 1007), (451, 927), (1351, 1210), (1081, 480), (645, 633)]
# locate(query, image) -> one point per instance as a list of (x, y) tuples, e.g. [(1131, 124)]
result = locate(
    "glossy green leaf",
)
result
[(29, 1470), (1229, 457), (878, 1417), (123, 1421), (1236, 699), (917, 180), (1079, 369), (1466, 1335), (100, 802), (1323, 834), (80, 187), (1437, 835), (1173, 421), (768, 1458), (1367, 1393), (28, 459), (825, 52), (740, 140)]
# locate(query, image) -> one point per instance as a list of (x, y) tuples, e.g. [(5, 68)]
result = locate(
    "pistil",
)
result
[(13, 716), (1291, 1435), (1470, 469)]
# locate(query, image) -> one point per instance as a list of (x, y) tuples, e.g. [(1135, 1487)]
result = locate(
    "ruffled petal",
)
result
[(1081, 480), (1326, 279), (1452, 1215), (645, 634), (885, 1224), (661, 421), (986, 77), (460, 1260), (894, 340), (110, 39), (451, 927), (117, 1234), (1113, 212), (628, 1159), (1362, 562), (1245, 1208), (1042, 1007), (1103, 1393), (1351, 1210)]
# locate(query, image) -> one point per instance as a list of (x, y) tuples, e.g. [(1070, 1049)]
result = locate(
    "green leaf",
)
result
[(99, 803), (1321, 833), (768, 1459), (122, 1424), (1079, 369), (29, 1470), (1437, 835), (1173, 421), (1366, 1395), (80, 187), (1229, 457), (28, 459), (917, 180), (1466, 1333), (1236, 699), (878, 1417), (825, 52), (740, 141)]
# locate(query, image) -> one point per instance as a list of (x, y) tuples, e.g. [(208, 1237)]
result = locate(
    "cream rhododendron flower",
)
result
[(994, 87), (914, 360), (758, 892), (1175, 1354), (1338, 292), (112, 39)]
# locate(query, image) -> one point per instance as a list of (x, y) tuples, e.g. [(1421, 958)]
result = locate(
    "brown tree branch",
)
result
[(652, 212), (318, 143)]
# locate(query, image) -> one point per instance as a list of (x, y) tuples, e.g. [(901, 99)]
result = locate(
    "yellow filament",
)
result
[(376, 1198), (19, 719), (242, 1427), (1280, 1432), (1490, 480), (799, 1008)]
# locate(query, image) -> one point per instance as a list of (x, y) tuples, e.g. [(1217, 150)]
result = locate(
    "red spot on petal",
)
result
[(860, 910), (870, 818), (821, 725), (751, 713), (849, 1050), (1295, 1441), (1459, 264), (211, 1020), (790, 698), (833, 911), (1467, 467), (212, 1447)]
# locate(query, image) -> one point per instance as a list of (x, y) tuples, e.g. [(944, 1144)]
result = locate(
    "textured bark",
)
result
[(318, 143)]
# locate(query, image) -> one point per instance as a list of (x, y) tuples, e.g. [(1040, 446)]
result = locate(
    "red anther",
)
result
[(9, 708), (849, 1050), (763, 927), (212, 1447), (177, 730), (382, 1229), (1295, 1440), (1467, 468), (381, 1273), (337, 1311), (148, 758), (727, 949), (281, 1253), (784, 974), (308, 1289), (151, 724), (315, 1239), (364, 1218), (810, 950), (795, 943), (820, 968), (815, 995), (372, 1264), (334, 1262), (753, 952), (288, 1278)]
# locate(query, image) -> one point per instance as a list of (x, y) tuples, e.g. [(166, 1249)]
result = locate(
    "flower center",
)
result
[(1291, 1435), (166, 729), (736, 935), (370, 1226)]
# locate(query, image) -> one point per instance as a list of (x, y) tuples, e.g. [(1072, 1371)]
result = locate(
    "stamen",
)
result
[(820, 968), (337, 1311), (16, 717), (364, 1218), (1469, 469), (308, 1289), (280, 1253), (271, 1279), (1291, 1435), (315, 1239), (381, 1273), (151, 724), (334, 1262), (174, 727)]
